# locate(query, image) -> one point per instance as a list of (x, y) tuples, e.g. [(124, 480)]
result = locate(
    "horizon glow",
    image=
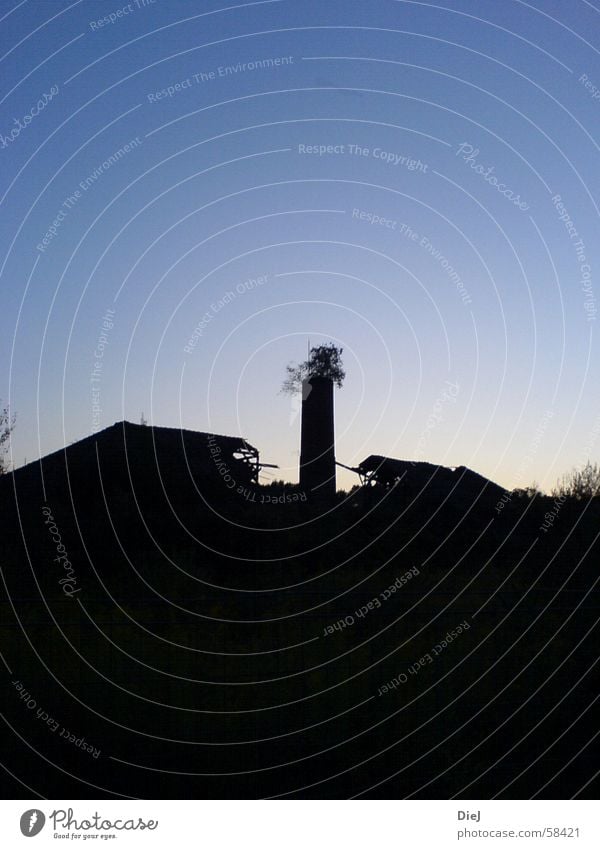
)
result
[(225, 187)]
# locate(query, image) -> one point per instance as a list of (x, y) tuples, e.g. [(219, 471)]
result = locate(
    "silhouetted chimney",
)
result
[(317, 443)]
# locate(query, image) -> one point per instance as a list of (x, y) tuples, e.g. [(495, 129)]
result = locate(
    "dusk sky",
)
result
[(193, 192)]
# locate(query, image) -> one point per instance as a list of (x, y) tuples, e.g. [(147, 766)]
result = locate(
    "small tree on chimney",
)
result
[(316, 378), (323, 361)]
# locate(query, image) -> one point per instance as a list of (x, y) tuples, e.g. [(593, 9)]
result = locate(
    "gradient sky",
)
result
[(215, 191)]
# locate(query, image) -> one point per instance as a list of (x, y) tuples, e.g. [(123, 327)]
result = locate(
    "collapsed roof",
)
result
[(387, 472), (170, 453)]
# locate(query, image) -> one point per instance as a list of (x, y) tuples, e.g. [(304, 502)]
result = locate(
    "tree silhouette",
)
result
[(7, 423), (580, 483), (323, 361)]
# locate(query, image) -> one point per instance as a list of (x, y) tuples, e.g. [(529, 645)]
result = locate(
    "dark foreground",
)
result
[(166, 637)]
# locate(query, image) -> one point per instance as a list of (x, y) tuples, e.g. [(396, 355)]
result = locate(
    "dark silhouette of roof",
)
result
[(376, 470), (145, 451)]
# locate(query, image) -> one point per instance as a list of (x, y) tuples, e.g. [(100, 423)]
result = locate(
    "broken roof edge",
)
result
[(233, 442), (375, 462)]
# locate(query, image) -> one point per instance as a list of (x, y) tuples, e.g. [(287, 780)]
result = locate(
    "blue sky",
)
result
[(346, 157)]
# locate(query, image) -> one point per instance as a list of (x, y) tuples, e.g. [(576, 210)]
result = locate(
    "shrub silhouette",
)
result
[(580, 483)]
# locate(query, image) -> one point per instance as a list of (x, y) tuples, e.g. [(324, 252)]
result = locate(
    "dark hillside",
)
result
[(220, 641)]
